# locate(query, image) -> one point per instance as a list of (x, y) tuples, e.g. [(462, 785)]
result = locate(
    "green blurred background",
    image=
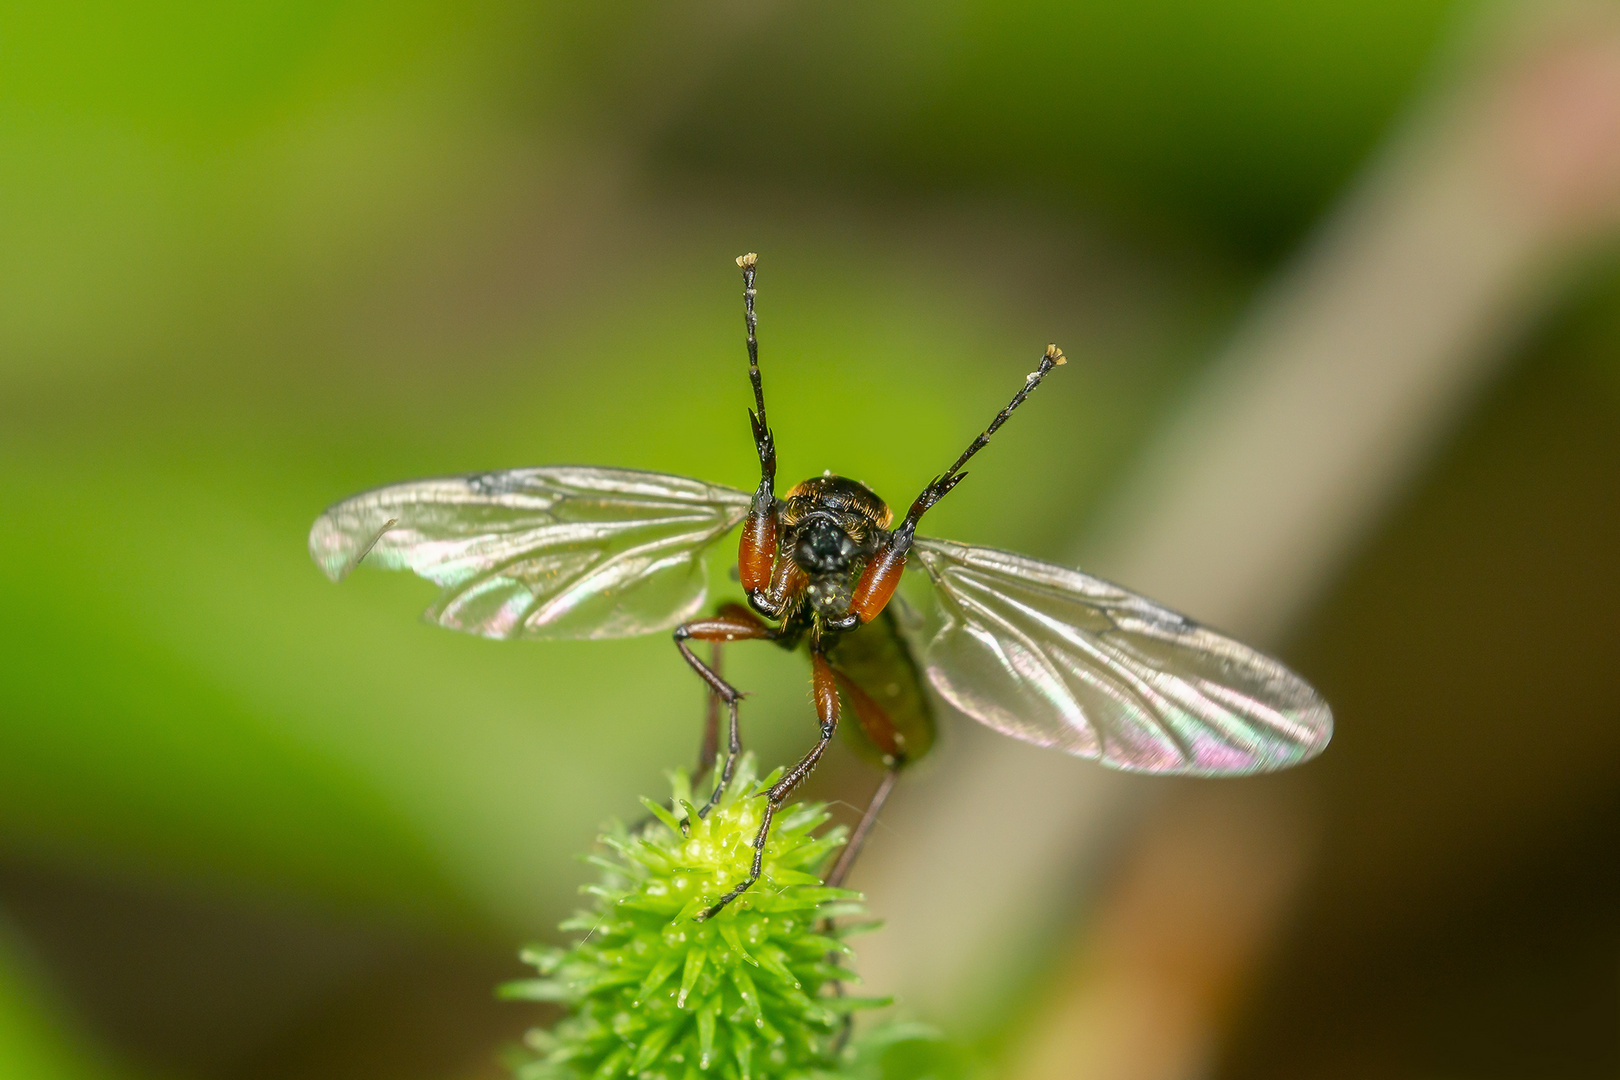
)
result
[(255, 257)]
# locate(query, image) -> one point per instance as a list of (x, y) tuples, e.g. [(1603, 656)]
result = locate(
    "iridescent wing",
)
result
[(564, 552), (1058, 658)]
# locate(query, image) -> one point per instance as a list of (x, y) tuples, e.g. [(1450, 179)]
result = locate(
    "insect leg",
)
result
[(882, 573), (880, 730), (732, 623), (826, 695), (756, 551), (857, 839), (709, 750), (840, 871)]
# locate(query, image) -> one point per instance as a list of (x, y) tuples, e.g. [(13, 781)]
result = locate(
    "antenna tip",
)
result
[(747, 261), (1055, 354)]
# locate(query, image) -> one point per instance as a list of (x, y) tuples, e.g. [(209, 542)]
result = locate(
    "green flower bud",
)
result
[(754, 993)]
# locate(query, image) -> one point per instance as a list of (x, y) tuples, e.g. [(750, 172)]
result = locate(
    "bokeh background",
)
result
[(1337, 285)]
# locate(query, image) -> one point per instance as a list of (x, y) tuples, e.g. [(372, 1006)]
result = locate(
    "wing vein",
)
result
[(1057, 657), (560, 552)]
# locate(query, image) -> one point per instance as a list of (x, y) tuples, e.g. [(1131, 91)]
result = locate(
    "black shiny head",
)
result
[(831, 522), (821, 547)]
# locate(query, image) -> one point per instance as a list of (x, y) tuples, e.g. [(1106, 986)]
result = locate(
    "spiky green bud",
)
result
[(654, 993)]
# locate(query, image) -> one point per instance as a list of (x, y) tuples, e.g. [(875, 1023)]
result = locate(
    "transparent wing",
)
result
[(563, 552), (1058, 658)]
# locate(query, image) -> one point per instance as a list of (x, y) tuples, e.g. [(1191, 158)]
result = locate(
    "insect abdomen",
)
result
[(876, 659)]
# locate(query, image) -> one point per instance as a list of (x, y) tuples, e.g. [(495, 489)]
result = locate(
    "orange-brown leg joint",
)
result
[(874, 721), (757, 550), (877, 584), (824, 685), (787, 582), (732, 623)]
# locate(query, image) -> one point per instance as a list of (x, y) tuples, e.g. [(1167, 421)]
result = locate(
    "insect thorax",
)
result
[(856, 506)]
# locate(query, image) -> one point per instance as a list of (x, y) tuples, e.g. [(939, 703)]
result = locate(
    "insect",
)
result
[(1040, 652)]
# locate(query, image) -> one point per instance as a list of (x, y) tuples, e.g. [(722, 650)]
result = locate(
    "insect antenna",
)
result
[(756, 549), (942, 484), (763, 439)]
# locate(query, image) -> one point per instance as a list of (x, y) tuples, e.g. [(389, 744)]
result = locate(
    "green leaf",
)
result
[(742, 1046), (855, 1004), (780, 876), (532, 990), (748, 992), (663, 969), (662, 814), (544, 957), (654, 1044), (689, 978), (728, 931), (707, 1016)]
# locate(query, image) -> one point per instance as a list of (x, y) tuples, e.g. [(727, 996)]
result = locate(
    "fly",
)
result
[(1039, 652)]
